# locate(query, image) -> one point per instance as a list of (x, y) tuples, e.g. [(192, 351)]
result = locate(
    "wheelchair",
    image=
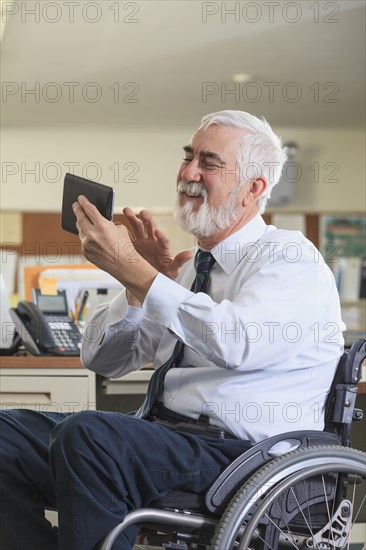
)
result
[(309, 498)]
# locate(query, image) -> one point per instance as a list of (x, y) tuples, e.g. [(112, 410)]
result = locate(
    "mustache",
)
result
[(194, 188)]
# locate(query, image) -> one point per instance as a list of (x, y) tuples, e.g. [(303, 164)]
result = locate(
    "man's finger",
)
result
[(136, 224), (82, 220), (182, 258), (149, 224), (162, 238), (90, 210)]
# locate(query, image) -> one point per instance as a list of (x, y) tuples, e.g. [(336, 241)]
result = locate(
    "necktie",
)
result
[(203, 263)]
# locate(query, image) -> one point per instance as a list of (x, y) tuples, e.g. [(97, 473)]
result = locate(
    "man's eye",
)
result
[(188, 160), (210, 166)]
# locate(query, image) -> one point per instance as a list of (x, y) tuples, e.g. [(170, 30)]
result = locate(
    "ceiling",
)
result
[(170, 62)]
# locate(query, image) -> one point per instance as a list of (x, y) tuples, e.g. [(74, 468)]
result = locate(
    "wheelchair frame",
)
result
[(242, 505)]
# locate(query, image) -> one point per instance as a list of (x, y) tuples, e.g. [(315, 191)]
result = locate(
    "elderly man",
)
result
[(244, 333)]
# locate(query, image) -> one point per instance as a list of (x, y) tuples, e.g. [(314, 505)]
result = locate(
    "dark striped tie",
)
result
[(203, 263)]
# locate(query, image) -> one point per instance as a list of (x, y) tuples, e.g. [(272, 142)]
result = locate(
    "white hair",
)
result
[(261, 155)]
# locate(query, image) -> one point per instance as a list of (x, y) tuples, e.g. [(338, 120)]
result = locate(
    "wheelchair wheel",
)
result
[(307, 499)]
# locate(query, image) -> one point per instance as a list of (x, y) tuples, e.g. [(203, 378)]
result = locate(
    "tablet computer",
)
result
[(102, 196)]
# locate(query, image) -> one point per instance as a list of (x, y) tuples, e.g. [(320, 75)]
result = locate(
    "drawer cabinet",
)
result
[(47, 389)]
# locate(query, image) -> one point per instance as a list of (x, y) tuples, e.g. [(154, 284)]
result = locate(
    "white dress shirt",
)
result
[(261, 347)]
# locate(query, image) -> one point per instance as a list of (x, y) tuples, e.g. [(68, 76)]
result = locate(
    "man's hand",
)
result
[(109, 247), (153, 245)]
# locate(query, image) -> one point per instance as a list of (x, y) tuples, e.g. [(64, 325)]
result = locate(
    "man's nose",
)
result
[(192, 172)]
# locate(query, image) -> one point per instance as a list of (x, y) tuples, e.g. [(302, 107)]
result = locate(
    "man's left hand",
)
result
[(153, 245)]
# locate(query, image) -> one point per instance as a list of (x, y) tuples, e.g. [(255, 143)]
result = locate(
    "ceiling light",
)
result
[(241, 77)]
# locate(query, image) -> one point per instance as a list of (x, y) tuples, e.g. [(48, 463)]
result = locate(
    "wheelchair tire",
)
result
[(298, 501)]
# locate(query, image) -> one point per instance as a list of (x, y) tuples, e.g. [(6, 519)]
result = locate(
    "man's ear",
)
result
[(255, 189)]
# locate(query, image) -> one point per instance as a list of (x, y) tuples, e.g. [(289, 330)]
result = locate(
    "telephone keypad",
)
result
[(67, 335)]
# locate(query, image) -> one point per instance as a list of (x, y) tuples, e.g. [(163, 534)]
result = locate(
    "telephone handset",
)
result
[(46, 332), (33, 328)]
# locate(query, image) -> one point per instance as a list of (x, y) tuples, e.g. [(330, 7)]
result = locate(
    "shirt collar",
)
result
[(229, 253)]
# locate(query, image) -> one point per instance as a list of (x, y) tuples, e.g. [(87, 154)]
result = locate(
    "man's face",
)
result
[(209, 198)]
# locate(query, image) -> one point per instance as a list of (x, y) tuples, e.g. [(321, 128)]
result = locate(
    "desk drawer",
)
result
[(135, 383), (45, 393)]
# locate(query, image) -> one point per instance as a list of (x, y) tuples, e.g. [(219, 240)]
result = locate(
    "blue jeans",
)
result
[(94, 467)]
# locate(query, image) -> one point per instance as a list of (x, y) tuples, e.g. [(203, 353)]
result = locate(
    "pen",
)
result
[(82, 305), (86, 309)]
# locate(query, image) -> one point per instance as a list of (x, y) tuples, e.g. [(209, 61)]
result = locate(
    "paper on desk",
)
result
[(74, 280), (96, 296), (6, 323), (8, 263), (48, 285)]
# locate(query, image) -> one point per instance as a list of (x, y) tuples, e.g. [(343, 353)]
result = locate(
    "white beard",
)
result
[(207, 220)]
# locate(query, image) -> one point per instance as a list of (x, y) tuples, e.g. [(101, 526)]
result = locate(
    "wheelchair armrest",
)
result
[(344, 404), (229, 481), (355, 358)]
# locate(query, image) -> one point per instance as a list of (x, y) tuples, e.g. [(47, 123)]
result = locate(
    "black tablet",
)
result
[(102, 196)]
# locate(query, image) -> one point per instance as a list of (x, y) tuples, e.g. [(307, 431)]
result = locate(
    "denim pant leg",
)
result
[(26, 485), (105, 464)]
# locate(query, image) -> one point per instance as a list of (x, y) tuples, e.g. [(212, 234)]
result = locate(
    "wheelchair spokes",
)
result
[(290, 521), (314, 505)]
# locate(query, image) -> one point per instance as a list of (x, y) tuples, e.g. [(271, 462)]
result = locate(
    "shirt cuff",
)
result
[(119, 309), (163, 300), (129, 324)]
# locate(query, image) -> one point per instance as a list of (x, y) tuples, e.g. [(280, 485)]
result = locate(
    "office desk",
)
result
[(63, 384), (59, 384)]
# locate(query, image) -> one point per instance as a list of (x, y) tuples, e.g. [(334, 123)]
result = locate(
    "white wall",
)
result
[(148, 159), (332, 166)]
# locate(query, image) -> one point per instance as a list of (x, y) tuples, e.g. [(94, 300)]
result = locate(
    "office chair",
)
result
[(309, 498)]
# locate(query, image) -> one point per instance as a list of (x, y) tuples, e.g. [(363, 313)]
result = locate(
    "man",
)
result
[(252, 347)]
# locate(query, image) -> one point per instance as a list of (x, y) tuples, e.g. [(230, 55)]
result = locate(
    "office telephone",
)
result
[(45, 327)]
